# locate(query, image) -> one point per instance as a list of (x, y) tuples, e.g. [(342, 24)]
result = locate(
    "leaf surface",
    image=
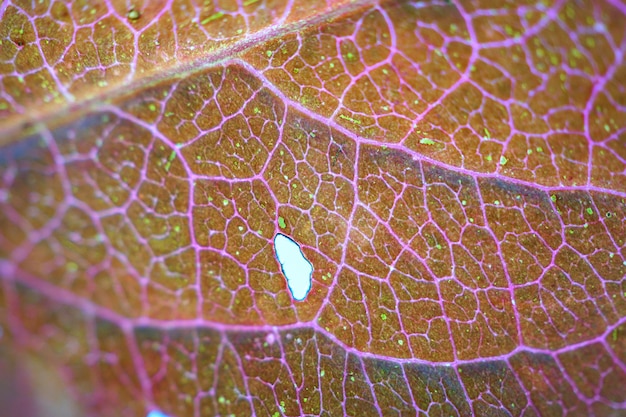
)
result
[(455, 172)]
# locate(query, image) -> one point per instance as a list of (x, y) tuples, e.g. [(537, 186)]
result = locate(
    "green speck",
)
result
[(553, 198), (438, 246), (177, 229), (350, 56), (401, 342), (3, 106), (133, 14), (225, 202), (589, 211), (503, 160), (427, 141), (249, 2), (539, 149), (71, 267), (489, 158), (213, 17), (529, 151), (221, 400), (464, 202), (152, 107), (322, 373), (268, 53), (350, 119), (276, 414), (487, 134), (614, 335), (383, 316), (168, 164), (496, 202), (281, 223), (607, 128), (172, 156)]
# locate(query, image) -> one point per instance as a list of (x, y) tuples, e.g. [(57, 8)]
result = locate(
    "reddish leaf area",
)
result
[(454, 171)]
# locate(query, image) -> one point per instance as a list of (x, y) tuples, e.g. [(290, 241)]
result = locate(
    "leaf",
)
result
[(454, 172)]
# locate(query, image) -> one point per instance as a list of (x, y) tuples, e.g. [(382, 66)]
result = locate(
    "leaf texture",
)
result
[(454, 171)]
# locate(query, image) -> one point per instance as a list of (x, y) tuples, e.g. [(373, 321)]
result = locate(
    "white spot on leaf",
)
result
[(296, 268)]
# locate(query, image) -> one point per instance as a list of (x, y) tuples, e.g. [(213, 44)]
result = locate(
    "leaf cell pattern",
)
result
[(454, 171)]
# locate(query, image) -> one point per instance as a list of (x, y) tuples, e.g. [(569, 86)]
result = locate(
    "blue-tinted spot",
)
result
[(155, 413)]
